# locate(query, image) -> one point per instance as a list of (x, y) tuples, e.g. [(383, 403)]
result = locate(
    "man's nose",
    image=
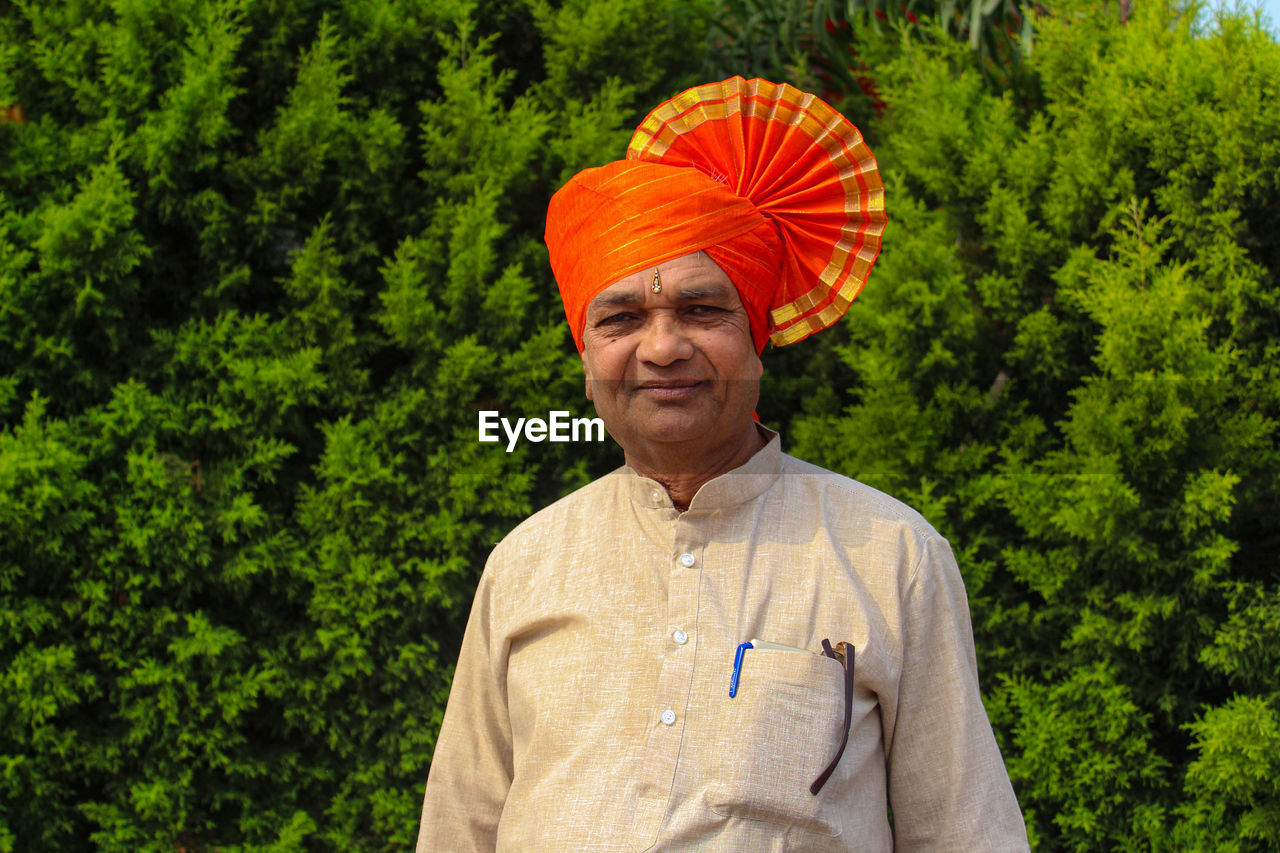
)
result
[(664, 341)]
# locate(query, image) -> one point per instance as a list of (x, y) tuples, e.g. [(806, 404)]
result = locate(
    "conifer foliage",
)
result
[(261, 264), (1068, 360)]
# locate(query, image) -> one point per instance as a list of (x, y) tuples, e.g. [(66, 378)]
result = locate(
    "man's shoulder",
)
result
[(849, 499), (585, 505)]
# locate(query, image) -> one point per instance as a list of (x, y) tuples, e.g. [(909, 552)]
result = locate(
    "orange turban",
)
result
[(773, 184)]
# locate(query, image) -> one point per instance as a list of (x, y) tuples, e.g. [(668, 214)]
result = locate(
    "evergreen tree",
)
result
[(261, 266), (1067, 360)]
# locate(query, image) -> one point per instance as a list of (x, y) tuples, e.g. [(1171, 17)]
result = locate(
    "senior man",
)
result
[(717, 647)]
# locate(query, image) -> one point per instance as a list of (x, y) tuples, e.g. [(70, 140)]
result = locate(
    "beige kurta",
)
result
[(590, 709)]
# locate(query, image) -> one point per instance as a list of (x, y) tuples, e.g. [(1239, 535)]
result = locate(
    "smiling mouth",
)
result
[(670, 391)]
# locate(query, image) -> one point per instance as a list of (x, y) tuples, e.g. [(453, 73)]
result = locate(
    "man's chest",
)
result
[(620, 661)]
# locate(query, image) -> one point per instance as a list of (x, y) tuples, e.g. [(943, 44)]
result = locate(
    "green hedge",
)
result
[(1069, 359), (262, 264)]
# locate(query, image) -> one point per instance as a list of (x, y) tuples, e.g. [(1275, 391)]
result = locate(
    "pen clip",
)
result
[(737, 668)]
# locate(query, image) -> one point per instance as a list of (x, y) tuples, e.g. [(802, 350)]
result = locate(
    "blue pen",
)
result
[(737, 668)]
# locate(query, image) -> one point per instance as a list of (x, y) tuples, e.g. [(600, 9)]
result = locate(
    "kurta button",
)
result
[(680, 637), (687, 560), (668, 716), (656, 496)]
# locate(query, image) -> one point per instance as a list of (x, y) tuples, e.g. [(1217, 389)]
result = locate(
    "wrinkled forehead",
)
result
[(689, 278)]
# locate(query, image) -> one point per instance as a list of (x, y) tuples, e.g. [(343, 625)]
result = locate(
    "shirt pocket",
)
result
[(779, 732)]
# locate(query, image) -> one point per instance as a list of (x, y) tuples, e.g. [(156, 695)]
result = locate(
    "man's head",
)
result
[(669, 358), (760, 206), (773, 184)]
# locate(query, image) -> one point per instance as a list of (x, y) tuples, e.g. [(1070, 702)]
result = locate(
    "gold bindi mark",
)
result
[(656, 287)]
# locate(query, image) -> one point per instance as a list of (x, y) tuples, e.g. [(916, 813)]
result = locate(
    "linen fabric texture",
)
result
[(778, 188), (590, 707)]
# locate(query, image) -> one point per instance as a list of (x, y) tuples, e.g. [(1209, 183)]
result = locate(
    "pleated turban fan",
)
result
[(773, 184)]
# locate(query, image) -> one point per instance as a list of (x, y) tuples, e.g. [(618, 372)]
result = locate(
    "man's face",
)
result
[(671, 368)]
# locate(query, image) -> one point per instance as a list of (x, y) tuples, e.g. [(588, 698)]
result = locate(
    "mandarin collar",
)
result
[(745, 483)]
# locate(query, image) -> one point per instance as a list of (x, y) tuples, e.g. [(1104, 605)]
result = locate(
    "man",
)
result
[(717, 647)]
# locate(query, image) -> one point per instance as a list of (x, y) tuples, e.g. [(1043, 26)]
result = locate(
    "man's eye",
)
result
[(615, 319), (704, 310)]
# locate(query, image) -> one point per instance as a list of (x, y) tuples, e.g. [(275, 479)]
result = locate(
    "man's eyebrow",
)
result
[(610, 299), (631, 297), (712, 291)]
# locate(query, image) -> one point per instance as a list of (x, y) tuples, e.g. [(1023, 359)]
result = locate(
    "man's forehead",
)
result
[(631, 293)]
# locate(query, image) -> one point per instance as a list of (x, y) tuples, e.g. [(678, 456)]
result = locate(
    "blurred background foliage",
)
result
[(262, 263)]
